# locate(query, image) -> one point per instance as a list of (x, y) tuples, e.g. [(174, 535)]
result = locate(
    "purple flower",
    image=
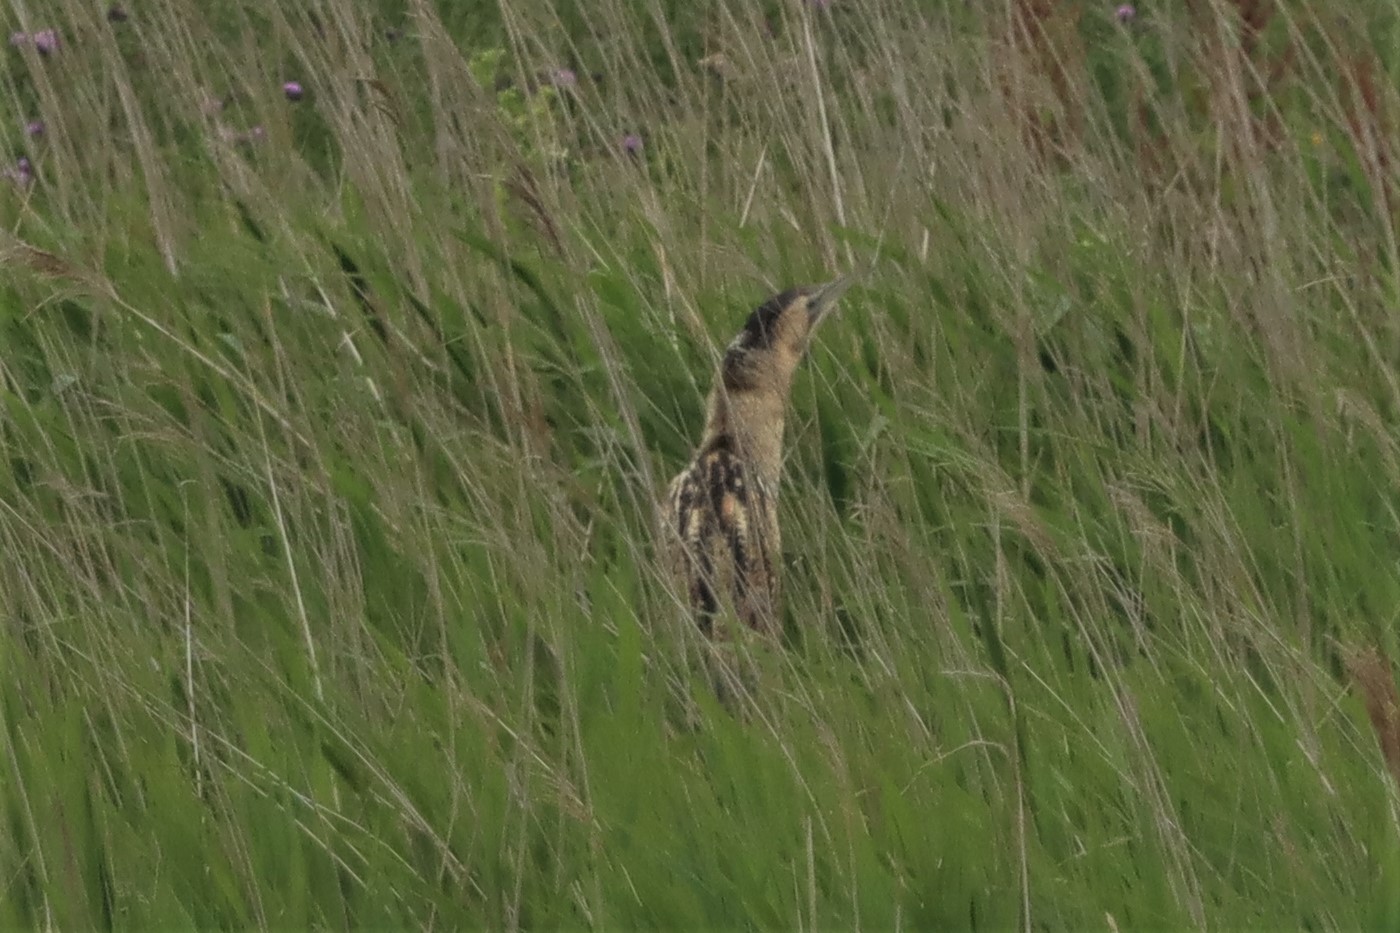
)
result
[(1125, 13), (45, 40), (34, 128), (631, 144), (563, 78), (293, 90), (22, 174), (115, 14)]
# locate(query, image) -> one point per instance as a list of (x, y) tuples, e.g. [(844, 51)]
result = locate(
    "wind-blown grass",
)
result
[(331, 431)]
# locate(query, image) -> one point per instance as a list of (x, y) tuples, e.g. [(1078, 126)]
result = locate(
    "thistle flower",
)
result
[(293, 90), (34, 128), (1125, 13), (46, 41), (563, 78), (632, 144), (22, 174)]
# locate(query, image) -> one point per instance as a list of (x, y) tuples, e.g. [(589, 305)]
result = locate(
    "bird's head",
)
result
[(765, 354)]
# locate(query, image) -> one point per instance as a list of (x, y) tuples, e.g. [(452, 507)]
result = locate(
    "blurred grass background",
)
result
[(331, 428)]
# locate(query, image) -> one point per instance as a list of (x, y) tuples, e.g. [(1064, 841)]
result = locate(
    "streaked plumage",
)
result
[(721, 512)]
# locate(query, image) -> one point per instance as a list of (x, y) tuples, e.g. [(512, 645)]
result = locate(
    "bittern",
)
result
[(721, 512)]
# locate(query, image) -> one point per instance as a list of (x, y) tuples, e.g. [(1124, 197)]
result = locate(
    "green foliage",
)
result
[(328, 458), (531, 116)]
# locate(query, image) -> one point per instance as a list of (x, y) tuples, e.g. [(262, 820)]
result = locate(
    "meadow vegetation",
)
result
[(345, 349)]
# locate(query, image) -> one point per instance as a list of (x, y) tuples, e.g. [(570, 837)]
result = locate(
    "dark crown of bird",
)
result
[(721, 512)]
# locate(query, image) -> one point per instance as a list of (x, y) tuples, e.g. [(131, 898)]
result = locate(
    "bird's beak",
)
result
[(824, 298)]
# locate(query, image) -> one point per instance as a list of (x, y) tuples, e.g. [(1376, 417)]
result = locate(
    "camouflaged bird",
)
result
[(721, 512)]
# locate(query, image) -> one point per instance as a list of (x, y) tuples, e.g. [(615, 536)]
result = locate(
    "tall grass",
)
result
[(332, 428)]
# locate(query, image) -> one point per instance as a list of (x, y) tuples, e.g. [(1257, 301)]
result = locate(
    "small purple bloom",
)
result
[(46, 41), (563, 78), (116, 14), (34, 128), (22, 174), (19, 38), (631, 144), (293, 90), (1125, 13)]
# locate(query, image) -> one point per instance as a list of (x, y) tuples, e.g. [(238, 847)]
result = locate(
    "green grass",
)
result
[(328, 462)]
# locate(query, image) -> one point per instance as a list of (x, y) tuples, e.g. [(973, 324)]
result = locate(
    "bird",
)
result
[(720, 514)]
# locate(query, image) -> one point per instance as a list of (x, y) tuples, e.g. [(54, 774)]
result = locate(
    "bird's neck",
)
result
[(753, 421)]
